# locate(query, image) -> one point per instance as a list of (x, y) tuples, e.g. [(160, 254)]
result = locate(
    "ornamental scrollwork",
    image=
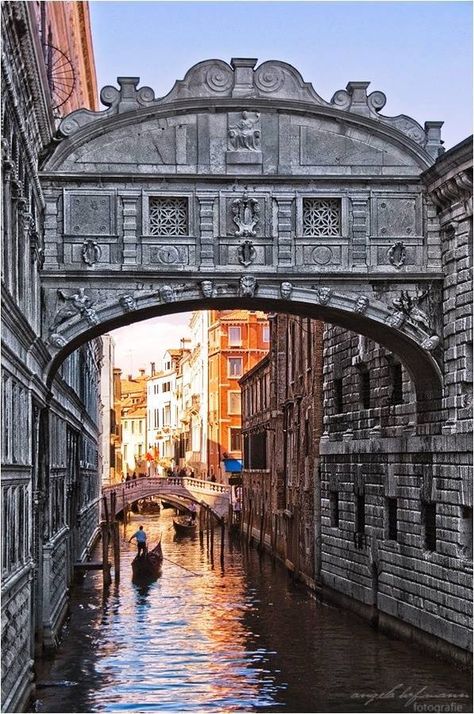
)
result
[(246, 215)]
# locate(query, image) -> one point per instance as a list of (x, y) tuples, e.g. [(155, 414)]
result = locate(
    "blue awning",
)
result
[(233, 465)]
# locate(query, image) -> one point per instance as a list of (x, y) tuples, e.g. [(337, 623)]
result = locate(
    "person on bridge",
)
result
[(140, 537)]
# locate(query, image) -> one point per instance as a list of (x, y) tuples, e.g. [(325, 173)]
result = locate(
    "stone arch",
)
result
[(352, 310)]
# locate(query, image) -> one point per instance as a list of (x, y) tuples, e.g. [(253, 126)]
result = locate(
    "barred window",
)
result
[(168, 216), (321, 217)]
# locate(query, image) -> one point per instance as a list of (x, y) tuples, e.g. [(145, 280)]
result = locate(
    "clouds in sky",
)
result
[(143, 342)]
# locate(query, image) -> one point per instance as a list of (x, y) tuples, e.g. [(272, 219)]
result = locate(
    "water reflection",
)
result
[(234, 636)]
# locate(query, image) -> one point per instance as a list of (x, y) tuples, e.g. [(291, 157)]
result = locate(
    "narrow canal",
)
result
[(237, 637)]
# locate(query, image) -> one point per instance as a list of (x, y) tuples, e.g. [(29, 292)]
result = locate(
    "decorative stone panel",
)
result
[(167, 214), (396, 217), (89, 213)]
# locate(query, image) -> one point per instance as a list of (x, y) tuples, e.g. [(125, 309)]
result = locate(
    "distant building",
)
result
[(193, 390), (238, 339), (162, 410), (133, 423), (282, 424), (107, 399)]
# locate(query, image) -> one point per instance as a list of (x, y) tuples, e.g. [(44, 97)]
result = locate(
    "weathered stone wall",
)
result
[(281, 502), (396, 497), (39, 518)]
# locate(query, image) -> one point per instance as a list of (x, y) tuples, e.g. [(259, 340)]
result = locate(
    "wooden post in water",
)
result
[(104, 527), (116, 541), (222, 541), (211, 516)]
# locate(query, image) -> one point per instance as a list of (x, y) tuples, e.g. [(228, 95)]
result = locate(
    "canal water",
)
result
[(227, 636)]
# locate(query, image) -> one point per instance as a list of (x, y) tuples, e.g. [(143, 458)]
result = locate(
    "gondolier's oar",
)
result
[(198, 575)]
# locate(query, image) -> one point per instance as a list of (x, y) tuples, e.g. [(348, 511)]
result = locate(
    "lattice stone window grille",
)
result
[(321, 217), (168, 216)]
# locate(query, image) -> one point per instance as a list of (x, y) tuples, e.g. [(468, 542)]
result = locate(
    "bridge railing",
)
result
[(186, 482)]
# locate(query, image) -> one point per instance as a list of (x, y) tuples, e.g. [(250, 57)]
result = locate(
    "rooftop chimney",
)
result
[(152, 368)]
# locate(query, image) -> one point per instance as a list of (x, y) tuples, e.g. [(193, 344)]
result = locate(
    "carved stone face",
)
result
[(207, 288), (248, 285), (285, 290), (361, 304), (127, 302), (167, 293)]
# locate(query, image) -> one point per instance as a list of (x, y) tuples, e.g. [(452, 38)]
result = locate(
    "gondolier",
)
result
[(140, 537)]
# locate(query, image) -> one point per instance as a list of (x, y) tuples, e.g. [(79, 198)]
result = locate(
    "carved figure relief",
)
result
[(247, 286), (245, 214), (91, 252), (128, 303), (408, 305), (78, 304), (395, 320), (397, 254), (247, 253), (286, 289), (245, 135)]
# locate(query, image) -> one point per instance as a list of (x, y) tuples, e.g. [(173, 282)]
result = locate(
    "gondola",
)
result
[(149, 565), (183, 525), (149, 507)]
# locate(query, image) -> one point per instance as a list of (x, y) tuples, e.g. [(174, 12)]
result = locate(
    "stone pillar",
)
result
[(51, 256), (285, 233), (130, 238), (359, 229), (206, 230)]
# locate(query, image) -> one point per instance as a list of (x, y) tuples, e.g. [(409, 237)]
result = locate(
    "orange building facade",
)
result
[(66, 43), (238, 339)]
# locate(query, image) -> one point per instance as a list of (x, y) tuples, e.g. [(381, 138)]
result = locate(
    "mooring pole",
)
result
[(116, 541), (222, 542), (104, 527)]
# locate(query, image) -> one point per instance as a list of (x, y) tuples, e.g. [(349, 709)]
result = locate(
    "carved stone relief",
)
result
[(91, 252), (77, 304), (397, 254), (246, 216), (128, 303), (207, 289), (286, 288), (245, 134), (247, 253), (247, 286)]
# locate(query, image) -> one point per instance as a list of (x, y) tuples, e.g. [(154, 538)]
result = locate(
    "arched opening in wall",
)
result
[(297, 419)]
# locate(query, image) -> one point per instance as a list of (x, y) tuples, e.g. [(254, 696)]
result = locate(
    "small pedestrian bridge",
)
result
[(214, 496)]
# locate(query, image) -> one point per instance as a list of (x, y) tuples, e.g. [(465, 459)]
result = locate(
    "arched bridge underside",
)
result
[(176, 489), (243, 187)]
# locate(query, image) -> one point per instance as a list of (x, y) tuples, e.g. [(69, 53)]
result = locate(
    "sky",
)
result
[(417, 53)]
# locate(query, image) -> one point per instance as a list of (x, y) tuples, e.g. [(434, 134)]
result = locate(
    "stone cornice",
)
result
[(450, 180), (78, 134)]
